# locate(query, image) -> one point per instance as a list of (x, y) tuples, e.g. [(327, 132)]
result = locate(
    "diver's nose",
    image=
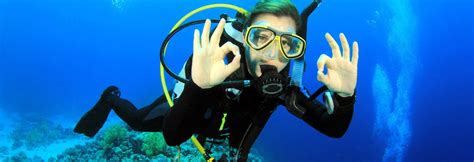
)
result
[(273, 53)]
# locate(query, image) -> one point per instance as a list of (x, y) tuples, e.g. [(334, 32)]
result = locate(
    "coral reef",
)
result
[(120, 143), (153, 144), (21, 156), (35, 132), (3, 151)]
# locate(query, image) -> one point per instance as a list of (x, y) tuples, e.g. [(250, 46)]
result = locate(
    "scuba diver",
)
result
[(236, 77)]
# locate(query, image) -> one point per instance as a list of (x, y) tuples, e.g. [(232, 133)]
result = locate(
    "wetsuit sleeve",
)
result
[(333, 125), (186, 116)]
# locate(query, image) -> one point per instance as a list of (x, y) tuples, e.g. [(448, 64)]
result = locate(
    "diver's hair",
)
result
[(275, 7)]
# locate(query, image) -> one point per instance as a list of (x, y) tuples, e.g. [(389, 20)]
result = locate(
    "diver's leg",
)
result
[(94, 119), (147, 119), (152, 115), (125, 110), (155, 109)]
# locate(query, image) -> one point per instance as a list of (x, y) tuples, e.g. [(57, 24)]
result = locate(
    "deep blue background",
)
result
[(57, 56)]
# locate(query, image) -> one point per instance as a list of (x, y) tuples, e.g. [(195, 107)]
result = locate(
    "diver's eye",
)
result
[(285, 43), (262, 38)]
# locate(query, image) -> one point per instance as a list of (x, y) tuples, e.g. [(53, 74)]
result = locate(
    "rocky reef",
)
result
[(116, 143)]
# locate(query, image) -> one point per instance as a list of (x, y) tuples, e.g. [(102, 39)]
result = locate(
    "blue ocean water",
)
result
[(414, 89)]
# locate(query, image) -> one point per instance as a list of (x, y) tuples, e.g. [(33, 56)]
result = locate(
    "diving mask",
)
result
[(258, 37)]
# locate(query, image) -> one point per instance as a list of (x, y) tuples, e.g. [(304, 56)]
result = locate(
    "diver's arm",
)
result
[(186, 116), (315, 113), (208, 70)]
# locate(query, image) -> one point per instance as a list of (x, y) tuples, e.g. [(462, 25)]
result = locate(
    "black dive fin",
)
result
[(93, 120)]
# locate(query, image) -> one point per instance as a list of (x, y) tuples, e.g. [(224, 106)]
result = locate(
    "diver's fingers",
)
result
[(205, 33), (196, 44), (336, 52), (355, 53), (323, 78), (235, 64), (322, 61), (228, 47), (345, 47), (216, 36), (330, 64)]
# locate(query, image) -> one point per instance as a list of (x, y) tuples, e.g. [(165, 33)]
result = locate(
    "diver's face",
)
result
[(270, 55)]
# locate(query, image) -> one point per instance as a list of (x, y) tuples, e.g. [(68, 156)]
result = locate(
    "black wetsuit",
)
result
[(200, 111)]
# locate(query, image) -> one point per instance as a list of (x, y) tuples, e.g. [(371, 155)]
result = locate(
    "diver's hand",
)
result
[(208, 68), (341, 71)]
